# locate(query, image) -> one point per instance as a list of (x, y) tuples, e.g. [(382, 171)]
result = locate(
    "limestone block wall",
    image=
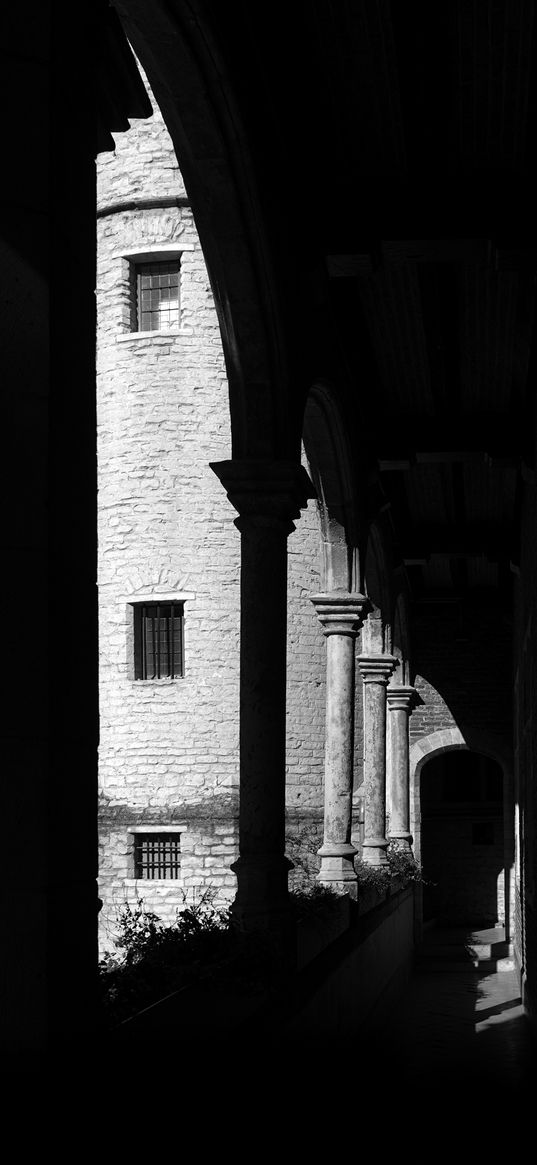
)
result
[(306, 667), (143, 164), (306, 696), (169, 749)]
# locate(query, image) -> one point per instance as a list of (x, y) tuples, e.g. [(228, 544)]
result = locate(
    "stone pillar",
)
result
[(267, 495), (376, 671), (400, 702), (341, 616)]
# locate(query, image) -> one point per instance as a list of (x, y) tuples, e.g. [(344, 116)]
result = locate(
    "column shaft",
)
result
[(262, 696), (267, 495), (339, 737), (400, 700), (341, 616), (375, 673)]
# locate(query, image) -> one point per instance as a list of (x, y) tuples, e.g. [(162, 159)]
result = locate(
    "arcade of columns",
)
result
[(268, 496)]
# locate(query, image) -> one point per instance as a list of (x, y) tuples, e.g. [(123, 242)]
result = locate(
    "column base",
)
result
[(401, 841), (262, 903), (337, 865), (374, 851)]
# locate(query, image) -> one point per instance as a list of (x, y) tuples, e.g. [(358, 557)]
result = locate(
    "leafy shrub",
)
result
[(302, 844), (154, 958), (402, 865)]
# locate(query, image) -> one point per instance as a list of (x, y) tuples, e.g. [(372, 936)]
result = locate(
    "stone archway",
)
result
[(449, 740)]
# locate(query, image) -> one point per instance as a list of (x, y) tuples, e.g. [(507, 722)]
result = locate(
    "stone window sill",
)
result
[(176, 333), (174, 883)]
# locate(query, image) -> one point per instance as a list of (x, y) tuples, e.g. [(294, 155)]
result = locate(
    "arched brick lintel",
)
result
[(447, 740)]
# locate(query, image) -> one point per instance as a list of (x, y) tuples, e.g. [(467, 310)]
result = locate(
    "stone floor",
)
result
[(459, 1039)]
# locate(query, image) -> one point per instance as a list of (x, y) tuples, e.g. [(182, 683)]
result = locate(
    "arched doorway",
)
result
[(462, 840)]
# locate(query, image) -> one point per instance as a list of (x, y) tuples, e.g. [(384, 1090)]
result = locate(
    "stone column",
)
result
[(267, 495), (400, 701), (376, 671), (341, 616)]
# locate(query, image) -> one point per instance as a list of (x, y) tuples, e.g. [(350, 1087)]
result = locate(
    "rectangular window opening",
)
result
[(157, 296), (158, 641), (157, 856)]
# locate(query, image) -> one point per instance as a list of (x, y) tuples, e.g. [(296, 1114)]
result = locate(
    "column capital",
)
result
[(401, 697), (341, 613), (265, 493), (376, 669)]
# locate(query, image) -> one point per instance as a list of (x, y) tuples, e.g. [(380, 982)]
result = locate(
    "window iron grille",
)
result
[(157, 296), (158, 641), (157, 856)]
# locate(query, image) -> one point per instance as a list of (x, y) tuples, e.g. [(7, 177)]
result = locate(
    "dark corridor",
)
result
[(463, 849)]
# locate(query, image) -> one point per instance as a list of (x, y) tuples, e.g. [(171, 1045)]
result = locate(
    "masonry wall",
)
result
[(169, 749), (525, 716)]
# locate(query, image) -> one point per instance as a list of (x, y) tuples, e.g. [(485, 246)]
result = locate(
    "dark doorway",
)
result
[(462, 835)]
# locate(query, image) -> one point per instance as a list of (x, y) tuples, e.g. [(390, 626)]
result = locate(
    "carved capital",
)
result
[(265, 493), (341, 613), (376, 669), (402, 698)]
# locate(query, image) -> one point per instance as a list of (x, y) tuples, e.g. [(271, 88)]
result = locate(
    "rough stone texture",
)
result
[(375, 671), (306, 667), (400, 700), (143, 164), (169, 750)]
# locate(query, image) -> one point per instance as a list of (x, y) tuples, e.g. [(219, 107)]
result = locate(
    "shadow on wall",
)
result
[(462, 845), (462, 668)]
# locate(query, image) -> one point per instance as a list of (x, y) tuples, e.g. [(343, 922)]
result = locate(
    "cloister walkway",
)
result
[(459, 1040)]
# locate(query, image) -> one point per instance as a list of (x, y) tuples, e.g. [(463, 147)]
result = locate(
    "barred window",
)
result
[(157, 855), (157, 296), (158, 640)]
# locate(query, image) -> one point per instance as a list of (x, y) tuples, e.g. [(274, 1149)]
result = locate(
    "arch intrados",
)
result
[(450, 740), (188, 78), (329, 460), (400, 643), (377, 635), (433, 745)]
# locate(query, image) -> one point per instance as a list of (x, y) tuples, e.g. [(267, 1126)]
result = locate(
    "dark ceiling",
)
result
[(384, 118), (367, 121)]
